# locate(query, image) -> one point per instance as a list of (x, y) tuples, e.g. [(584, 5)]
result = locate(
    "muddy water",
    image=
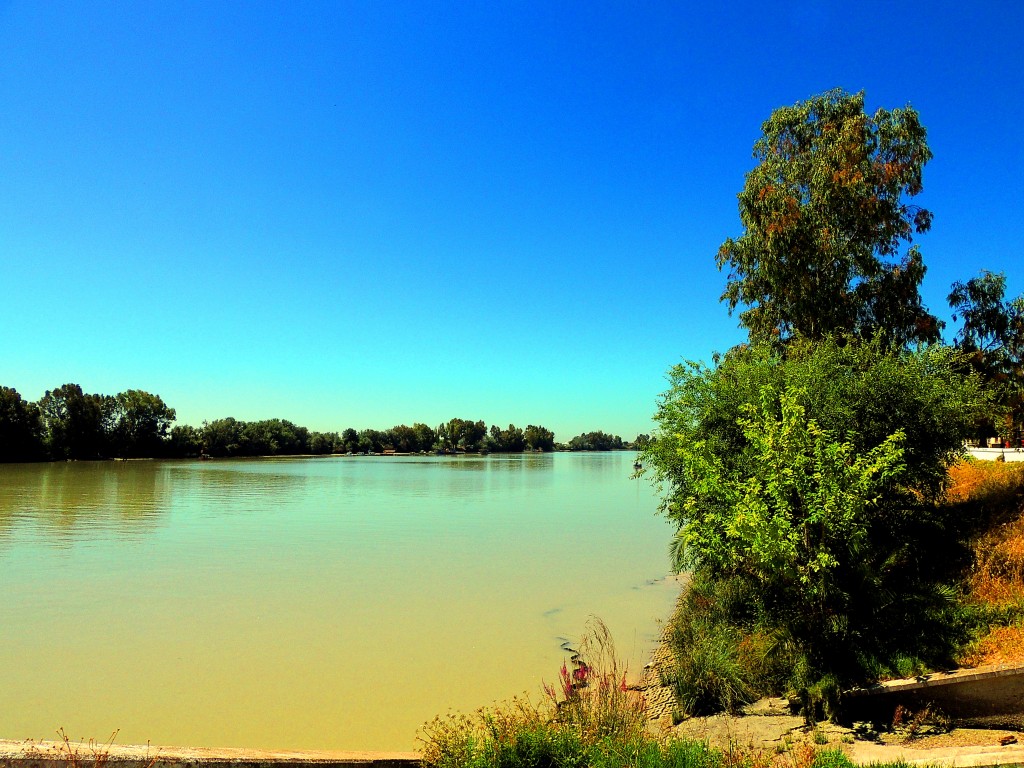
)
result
[(333, 603)]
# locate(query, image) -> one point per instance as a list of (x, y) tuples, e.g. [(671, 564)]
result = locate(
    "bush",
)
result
[(814, 479)]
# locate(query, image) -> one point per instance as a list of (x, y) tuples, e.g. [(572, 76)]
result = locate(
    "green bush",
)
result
[(810, 481)]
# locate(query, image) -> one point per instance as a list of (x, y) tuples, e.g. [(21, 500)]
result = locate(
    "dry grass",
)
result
[(998, 575), (974, 480), (996, 579), (1002, 645), (83, 754)]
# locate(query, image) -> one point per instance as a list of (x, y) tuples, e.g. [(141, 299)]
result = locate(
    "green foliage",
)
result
[(595, 441), (539, 438), (185, 441), (831, 758), (824, 212), (511, 440), (993, 333), (143, 423), (76, 425), (21, 428), (461, 435), (812, 479), (719, 666), (708, 675), (68, 423), (222, 437)]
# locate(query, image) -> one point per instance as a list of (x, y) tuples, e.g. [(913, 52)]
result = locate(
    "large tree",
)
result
[(826, 217), (77, 425), (143, 422)]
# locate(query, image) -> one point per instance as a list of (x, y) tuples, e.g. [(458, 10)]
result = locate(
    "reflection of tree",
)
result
[(237, 486), (69, 502)]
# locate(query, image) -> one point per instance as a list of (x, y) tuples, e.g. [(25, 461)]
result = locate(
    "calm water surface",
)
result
[(332, 603)]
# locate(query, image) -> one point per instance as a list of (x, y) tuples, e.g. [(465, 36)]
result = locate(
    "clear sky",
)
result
[(368, 213)]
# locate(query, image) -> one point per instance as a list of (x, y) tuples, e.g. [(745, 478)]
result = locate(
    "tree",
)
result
[(539, 438), (373, 441), (350, 440), (461, 434), (825, 215), (77, 425), (21, 429), (425, 436), (812, 479), (185, 441), (142, 424), (321, 443), (509, 440), (403, 439), (595, 441), (222, 437), (993, 335)]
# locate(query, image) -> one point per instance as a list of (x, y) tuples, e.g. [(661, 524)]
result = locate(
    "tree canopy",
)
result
[(68, 423), (825, 215)]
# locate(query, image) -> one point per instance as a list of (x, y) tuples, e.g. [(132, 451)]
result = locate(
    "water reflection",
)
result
[(69, 501)]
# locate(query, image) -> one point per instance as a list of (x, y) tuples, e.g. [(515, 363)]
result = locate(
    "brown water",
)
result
[(332, 603)]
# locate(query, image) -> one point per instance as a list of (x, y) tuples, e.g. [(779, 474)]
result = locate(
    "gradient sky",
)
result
[(368, 213)]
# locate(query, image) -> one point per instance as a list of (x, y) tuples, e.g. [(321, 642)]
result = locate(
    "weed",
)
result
[(926, 721), (84, 754), (594, 698), (591, 718)]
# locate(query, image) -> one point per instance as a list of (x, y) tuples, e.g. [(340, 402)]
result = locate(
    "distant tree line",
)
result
[(67, 423)]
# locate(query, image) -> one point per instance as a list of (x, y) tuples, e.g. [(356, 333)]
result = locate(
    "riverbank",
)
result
[(769, 727), (993, 582)]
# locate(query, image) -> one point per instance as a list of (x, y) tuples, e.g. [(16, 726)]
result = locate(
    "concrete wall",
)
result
[(991, 697)]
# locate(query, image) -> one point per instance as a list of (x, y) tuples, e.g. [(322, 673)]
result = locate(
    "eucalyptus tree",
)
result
[(826, 215)]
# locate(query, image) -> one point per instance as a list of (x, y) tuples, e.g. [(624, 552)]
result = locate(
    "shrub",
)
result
[(814, 478)]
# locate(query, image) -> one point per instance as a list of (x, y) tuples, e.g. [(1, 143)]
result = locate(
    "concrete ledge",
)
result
[(953, 677), (987, 697), (53, 754)]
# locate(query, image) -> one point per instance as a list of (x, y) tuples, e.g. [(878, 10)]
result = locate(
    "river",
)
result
[(330, 603)]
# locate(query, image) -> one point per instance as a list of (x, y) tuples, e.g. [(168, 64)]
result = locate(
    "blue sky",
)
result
[(368, 213)]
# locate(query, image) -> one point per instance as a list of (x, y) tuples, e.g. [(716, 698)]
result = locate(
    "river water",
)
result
[(332, 603)]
